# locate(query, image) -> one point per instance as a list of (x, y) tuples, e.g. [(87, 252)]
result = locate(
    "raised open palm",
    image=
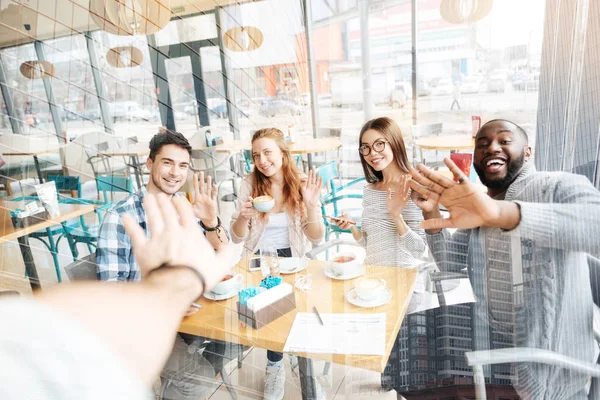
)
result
[(311, 188), (467, 205), (396, 202), (205, 198)]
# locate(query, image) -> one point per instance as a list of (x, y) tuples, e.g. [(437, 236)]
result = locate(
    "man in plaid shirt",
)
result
[(168, 163)]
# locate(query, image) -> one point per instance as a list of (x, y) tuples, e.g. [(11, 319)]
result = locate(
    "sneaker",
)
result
[(274, 382)]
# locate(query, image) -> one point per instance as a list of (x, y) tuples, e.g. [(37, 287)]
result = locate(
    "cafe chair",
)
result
[(419, 131), (336, 193), (75, 228), (84, 269)]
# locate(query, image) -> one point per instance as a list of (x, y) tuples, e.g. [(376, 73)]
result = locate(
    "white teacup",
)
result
[(344, 263), (227, 283), (264, 203), (369, 289)]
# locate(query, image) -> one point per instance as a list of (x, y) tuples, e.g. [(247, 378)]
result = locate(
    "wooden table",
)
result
[(8, 232), (8, 151), (447, 143), (219, 320), (134, 152)]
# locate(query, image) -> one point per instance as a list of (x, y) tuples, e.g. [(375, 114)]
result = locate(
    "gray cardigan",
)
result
[(546, 257)]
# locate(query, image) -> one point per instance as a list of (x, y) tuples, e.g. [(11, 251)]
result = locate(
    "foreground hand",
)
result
[(205, 200), (175, 239), (311, 189), (247, 210), (468, 206), (395, 203), (344, 222)]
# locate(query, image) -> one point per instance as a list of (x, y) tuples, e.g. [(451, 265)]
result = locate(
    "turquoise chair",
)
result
[(335, 194), (105, 184), (68, 228)]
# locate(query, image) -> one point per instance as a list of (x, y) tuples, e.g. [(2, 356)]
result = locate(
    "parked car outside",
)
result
[(270, 108), (444, 87), (470, 84), (496, 83)]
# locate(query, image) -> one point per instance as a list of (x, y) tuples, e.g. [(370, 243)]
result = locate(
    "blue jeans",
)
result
[(274, 356)]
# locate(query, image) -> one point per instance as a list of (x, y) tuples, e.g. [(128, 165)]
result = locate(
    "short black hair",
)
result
[(168, 137), (520, 130)]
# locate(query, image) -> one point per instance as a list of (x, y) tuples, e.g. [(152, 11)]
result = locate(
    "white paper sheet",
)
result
[(462, 294), (362, 334)]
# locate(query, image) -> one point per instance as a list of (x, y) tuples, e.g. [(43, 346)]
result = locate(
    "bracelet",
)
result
[(198, 273), (216, 228)]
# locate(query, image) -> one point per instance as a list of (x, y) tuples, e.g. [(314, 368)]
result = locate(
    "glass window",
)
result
[(29, 95), (130, 91), (73, 86)]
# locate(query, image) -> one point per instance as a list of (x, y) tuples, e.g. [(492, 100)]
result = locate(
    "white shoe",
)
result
[(274, 382)]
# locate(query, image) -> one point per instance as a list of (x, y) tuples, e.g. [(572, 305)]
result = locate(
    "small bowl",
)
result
[(264, 203)]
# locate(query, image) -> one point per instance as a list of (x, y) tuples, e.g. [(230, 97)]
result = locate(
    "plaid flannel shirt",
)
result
[(114, 254)]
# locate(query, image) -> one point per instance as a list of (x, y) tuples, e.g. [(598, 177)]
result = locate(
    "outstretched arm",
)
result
[(152, 310)]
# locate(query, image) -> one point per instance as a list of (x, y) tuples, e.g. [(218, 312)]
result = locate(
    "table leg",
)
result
[(37, 168), (72, 244), (231, 196), (307, 378), (30, 269), (309, 160), (136, 170)]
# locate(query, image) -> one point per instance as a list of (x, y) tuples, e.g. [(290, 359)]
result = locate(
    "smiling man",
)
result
[(169, 164), (526, 245)]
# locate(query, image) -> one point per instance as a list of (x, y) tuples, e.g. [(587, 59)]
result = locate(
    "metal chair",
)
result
[(419, 131), (83, 269), (335, 194)]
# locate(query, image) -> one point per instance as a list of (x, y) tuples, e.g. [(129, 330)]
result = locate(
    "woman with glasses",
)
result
[(290, 227), (390, 220)]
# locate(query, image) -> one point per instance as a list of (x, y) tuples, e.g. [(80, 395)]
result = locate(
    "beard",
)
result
[(514, 168)]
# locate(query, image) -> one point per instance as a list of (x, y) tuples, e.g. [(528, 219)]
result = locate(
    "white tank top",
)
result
[(276, 234)]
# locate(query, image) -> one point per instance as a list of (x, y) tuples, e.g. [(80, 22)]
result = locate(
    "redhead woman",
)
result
[(291, 226)]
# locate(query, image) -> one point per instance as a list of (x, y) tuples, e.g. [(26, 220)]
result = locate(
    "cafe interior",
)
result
[(86, 84)]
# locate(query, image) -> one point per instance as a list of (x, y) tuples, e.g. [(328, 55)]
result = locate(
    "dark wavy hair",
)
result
[(168, 137), (391, 132)]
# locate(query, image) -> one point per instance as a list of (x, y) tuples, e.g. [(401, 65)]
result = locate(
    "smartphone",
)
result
[(254, 264)]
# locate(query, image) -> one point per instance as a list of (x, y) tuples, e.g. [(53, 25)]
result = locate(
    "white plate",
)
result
[(355, 274), (291, 265), (383, 298), (217, 297)]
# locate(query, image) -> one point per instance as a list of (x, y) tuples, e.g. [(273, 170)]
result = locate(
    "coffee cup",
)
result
[(264, 203), (344, 263), (228, 282), (369, 289)]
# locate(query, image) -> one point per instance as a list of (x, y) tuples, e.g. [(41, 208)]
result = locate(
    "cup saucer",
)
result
[(384, 296), (343, 277), (217, 297)]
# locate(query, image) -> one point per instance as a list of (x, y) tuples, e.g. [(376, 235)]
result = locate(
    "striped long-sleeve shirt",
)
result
[(533, 282), (383, 245)]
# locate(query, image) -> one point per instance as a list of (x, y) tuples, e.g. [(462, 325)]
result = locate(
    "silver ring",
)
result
[(461, 180)]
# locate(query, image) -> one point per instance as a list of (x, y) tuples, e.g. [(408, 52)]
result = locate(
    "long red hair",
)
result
[(261, 184)]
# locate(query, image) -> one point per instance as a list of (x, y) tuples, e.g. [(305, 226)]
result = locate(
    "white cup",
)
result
[(369, 289), (264, 203), (226, 285), (344, 263)]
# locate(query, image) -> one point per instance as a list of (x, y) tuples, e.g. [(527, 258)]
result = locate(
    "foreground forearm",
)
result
[(149, 313)]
